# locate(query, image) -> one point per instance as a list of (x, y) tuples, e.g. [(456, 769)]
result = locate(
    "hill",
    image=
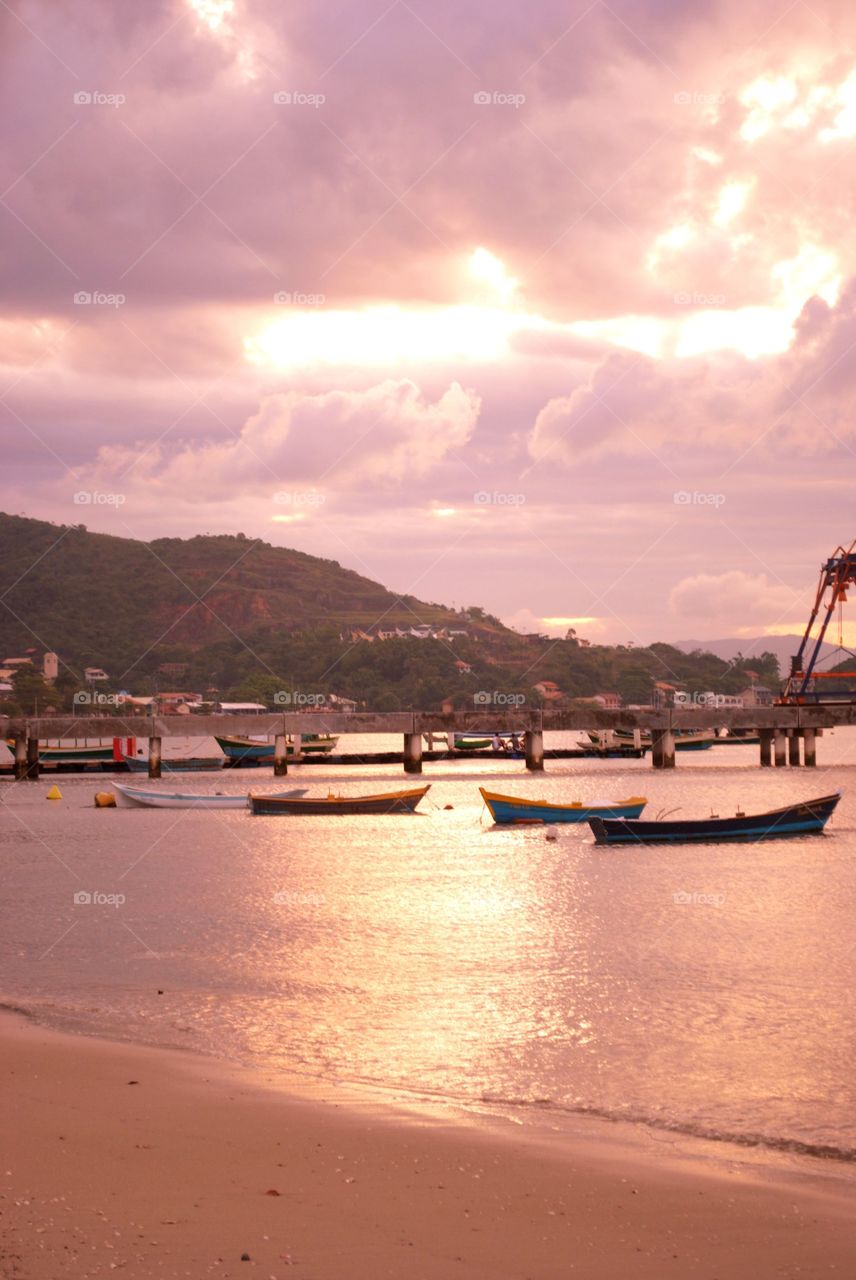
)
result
[(247, 619), (784, 647)]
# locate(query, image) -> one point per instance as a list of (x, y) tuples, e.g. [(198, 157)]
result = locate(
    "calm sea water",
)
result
[(705, 989)]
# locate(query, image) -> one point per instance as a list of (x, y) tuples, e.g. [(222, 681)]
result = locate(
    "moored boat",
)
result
[(150, 799), (388, 802), (791, 820), (685, 739), (514, 809), (189, 764), (252, 751)]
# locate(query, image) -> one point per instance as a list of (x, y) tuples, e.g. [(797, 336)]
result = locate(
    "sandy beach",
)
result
[(156, 1163)]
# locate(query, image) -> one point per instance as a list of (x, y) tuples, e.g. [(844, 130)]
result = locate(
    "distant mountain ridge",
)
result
[(784, 647)]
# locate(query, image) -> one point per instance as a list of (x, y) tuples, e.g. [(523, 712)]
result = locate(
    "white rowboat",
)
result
[(150, 799)]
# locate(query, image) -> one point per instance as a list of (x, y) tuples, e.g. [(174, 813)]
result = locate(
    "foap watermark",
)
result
[(299, 498), (296, 98), (95, 698), (693, 98), (95, 298), (684, 899), (297, 698), (93, 498), (485, 499), (96, 98), (95, 898), (695, 299), (296, 898), (496, 698), (498, 98), (685, 498), (294, 298)]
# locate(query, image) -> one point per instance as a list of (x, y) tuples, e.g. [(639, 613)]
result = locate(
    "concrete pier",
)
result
[(280, 756), (154, 757), (413, 753), (32, 759), (297, 748), (779, 744), (809, 748), (20, 757), (663, 749), (794, 747), (766, 749), (533, 746)]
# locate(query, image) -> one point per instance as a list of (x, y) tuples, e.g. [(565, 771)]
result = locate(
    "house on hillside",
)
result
[(663, 694), (548, 690), (94, 675), (612, 701), (463, 668), (757, 696)]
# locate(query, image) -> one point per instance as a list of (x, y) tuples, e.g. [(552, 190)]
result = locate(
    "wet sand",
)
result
[(143, 1162)]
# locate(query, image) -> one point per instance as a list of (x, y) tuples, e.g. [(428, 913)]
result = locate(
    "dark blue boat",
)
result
[(793, 820)]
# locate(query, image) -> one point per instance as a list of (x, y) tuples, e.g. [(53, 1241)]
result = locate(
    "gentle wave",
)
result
[(791, 1146)]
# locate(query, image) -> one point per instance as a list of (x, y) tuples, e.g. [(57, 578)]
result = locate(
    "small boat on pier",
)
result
[(261, 751), (793, 820)]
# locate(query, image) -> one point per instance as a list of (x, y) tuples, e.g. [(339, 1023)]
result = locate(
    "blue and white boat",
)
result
[(792, 820), (514, 809)]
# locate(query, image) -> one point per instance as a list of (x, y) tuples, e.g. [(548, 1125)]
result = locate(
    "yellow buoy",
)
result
[(54, 793), (105, 800)]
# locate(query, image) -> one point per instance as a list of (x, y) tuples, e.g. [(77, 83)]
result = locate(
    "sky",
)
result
[(549, 308)]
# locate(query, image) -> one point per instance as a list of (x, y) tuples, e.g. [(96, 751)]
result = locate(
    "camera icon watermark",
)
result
[(95, 98), (685, 498), (93, 498), (294, 298), (296, 898), (297, 698), (95, 698), (299, 498), (485, 499), (497, 98), (85, 898), (684, 899), (685, 299), (294, 98), (88, 298), (692, 98), (496, 698)]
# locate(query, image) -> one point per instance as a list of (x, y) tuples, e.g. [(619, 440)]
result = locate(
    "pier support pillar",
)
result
[(20, 757), (766, 736), (154, 757), (413, 753), (779, 747), (533, 745), (33, 758), (280, 756), (809, 748), (662, 748), (794, 747), (297, 747)]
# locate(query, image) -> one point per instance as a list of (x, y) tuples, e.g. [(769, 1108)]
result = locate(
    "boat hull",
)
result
[(135, 797), (512, 809), (793, 820), (193, 764), (391, 802), (245, 751)]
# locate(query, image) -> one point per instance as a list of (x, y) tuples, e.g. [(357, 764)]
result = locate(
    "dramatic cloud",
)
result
[(550, 304), (753, 599)]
